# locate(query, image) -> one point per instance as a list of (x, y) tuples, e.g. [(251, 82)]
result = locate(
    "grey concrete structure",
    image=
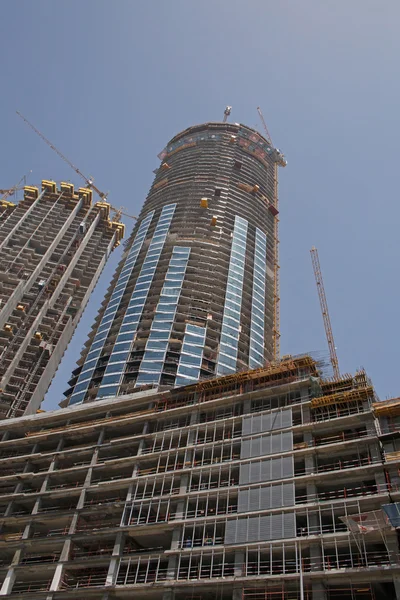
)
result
[(54, 245), (195, 294), (265, 485)]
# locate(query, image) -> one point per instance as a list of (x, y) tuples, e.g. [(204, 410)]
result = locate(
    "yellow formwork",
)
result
[(389, 408), (343, 397)]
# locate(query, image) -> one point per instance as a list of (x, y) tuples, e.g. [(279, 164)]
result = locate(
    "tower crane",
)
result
[(9, 192), (89, 181), (325, 311), (267, 134)]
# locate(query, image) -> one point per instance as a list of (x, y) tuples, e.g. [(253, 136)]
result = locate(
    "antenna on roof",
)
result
[(227, 112)]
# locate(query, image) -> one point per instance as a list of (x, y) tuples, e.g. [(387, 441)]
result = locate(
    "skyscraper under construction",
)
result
[(269, 483), (195, 294), (54, 245)]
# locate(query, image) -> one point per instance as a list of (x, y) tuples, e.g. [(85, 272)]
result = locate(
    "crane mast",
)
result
[(325, 311)]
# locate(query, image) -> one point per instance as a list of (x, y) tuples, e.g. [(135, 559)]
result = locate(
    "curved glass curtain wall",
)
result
[(191, 356), (97, 345), (121, 350), (156, 347), (230, 330), (257, 326)]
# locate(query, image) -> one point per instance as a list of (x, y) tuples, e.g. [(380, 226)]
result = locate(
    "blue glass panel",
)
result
[(109, 390), (257, 325), (145, 378), (150, 365), (155, 345), (193, 372), (77, 398), (234, 291), (117, 294), (153, 355), (145, 278), (189, 359), (164, 317), (191, 349), (107, 379), (120, 356)]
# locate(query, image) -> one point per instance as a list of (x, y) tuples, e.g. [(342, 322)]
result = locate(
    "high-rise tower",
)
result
[(54, 245), (194, 295)]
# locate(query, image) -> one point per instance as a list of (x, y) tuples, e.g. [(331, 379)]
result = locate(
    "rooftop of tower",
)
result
[(243, 131)]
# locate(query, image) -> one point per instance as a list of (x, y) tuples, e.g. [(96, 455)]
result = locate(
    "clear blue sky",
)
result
[(110, 82)]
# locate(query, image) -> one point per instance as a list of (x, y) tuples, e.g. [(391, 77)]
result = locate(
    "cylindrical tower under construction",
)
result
[(195, 293)]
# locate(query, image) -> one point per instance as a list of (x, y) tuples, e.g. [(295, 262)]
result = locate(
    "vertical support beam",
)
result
[(115, 559)]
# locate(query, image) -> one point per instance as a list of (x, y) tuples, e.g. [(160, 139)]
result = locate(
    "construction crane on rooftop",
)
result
[(9, 192), (325, 311), (267, 134), (89, 182)]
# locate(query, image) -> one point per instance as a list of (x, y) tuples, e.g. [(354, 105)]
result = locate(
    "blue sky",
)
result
[(110, 82)]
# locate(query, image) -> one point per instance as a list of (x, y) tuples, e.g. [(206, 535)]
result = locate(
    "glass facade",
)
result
[(191, 355), (183, 309), (109, 314), (257, 327), (233, 300), (157, 343), (122, 346)]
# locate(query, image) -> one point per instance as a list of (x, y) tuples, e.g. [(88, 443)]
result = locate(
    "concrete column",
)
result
[(168, 595), (309, 438), (26, 533), (65, 552), (316, 557), (180, 509), (142, 444), (239, 563), (82, 498), (306, 415), (115, 559), (172, 566), (247, 407), (176, 538), (129, 493), (8, 582), (194, 419), (60, 568), (309, 464), (184, 482), (57, 577), (396, 583), (37, 505), (101, 437), (318, 591), (311, 491), (237, 593)]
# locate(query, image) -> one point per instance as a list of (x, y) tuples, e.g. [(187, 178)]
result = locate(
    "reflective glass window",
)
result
[(77, 398), (110, 390)]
